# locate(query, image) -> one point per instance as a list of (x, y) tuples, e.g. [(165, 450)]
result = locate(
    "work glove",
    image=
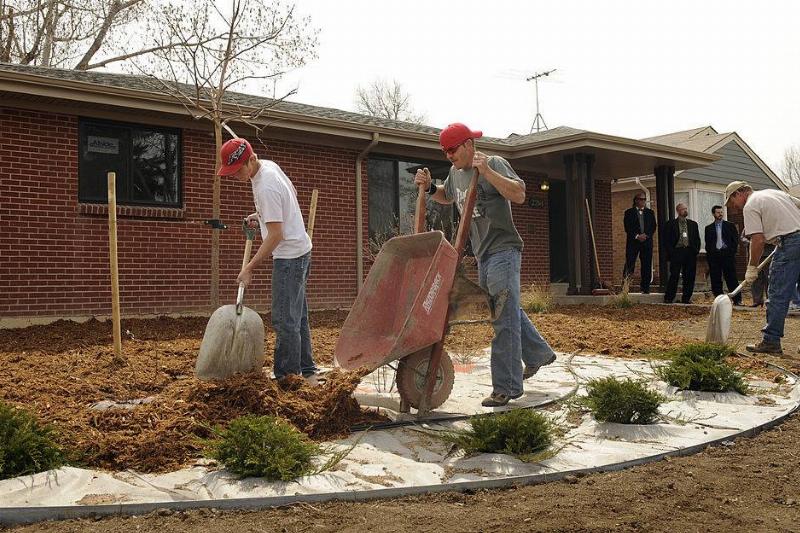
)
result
[(750, 276)]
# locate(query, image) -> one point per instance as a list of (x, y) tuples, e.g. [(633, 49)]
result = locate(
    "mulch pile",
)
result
[(60, 370)]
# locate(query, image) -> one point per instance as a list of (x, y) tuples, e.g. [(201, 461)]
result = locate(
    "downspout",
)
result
[(359, 212), (646, 193)]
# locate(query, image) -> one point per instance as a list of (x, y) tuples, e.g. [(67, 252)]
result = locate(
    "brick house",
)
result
[(61, 130), (699, 188)]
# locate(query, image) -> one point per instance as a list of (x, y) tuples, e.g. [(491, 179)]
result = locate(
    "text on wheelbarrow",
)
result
[(432, 293)]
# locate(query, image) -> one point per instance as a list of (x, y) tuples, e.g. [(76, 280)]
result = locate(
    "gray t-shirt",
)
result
[(492, 228)]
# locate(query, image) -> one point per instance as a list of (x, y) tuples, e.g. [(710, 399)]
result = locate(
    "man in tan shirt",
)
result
[(770, 216)]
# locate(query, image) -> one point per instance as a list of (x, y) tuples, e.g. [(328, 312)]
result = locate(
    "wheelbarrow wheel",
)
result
[(411, 373)]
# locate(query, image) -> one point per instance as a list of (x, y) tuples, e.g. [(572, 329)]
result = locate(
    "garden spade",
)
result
[(234, 337), (719, 321)]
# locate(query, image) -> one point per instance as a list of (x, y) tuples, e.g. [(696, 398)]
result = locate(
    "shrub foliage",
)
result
[(264, 446), (26, 446), (622, 401), (517, 432), (702, 367)]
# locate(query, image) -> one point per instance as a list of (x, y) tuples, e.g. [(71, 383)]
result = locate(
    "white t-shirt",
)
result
[(276, 201), (771, 212)]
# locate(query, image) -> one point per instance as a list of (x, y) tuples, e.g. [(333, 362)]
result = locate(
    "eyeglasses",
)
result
[(454, 149)]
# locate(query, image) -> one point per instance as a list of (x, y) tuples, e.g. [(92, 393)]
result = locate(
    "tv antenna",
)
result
[(538, 121)]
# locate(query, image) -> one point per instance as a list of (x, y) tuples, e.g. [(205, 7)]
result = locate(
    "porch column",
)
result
[(572, 238), (665, 206), (585, 191)]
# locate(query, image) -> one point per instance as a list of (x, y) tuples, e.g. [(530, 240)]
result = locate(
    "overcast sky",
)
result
[(629, 68)]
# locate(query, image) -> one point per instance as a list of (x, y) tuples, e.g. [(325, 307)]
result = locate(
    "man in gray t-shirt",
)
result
[(498, 249)]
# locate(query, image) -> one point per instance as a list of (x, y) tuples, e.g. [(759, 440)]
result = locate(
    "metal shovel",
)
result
[(234, 338), (719, 321)]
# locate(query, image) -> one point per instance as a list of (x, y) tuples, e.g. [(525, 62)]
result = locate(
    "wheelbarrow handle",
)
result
[(735, 292)]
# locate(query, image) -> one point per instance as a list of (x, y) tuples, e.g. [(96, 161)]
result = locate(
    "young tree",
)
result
[(252, 42), (387, 100), (790, 166)]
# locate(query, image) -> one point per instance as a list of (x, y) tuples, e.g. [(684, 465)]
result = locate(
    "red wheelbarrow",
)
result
[(402, 310)]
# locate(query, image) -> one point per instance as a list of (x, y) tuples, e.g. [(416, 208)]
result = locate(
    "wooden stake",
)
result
[(312, 213), (112, 251)]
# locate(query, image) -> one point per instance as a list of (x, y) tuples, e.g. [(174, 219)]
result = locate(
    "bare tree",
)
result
[(82, 34), (790, 166), (252, 43), (387, 100)]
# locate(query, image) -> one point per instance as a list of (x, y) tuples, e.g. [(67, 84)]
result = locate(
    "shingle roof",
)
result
[(681, 136), (147, 84)]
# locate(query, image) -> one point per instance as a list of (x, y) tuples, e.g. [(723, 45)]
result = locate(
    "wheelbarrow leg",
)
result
[(430, 377)]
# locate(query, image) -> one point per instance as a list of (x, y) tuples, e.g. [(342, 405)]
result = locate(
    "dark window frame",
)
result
[(125, 186), (439, 174)]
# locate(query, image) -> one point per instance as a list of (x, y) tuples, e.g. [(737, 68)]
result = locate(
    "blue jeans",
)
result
[(290, 317), (515, 337), (783, 274)]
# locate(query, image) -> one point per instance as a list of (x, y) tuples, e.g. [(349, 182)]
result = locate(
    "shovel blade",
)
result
[(719, 320), (231, 344)]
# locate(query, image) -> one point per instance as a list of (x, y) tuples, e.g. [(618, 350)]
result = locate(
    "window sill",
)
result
[(133, 211)]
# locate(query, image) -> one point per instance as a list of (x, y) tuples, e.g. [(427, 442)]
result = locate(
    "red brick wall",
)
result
[(533, 224), (602, 230), (55, 253)]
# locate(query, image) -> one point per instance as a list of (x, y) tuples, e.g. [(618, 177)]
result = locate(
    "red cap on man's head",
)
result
[(456, 134), (234, 153)]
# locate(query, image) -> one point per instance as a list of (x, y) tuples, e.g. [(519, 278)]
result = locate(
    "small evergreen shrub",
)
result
[(264, 446), (518, 432), (536, 299), (26, 446), (702, 367), (622, 401)]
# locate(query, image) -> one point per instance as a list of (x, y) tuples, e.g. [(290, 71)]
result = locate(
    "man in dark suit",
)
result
[(722, 243), (640, 226), (682, 244)]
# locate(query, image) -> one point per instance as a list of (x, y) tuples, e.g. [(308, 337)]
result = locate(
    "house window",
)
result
[(146, 160), (393, 197), (699, 203)]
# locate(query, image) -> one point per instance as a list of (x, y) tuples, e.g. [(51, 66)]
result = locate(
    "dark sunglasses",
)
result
[(454, 149)]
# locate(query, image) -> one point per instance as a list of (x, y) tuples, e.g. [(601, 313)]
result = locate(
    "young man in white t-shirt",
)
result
[(770, 216), (284, 237)]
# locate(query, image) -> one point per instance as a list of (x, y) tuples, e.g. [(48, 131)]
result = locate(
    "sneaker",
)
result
[(315, 380), (498, 400), (531, 370), (765, 347)]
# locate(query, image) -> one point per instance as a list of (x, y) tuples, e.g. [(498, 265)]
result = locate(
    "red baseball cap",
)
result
[(233, 154), (456, 134)]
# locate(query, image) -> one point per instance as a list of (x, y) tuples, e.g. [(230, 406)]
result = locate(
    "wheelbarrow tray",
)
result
[(402, 306)]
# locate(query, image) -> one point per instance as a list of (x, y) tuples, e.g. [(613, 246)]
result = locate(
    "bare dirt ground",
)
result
[(750, 486)]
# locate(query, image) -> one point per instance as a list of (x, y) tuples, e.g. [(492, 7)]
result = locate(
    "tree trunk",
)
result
[(215, 214)]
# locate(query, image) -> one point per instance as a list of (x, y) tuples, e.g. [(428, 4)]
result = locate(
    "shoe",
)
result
[(686, 302), (315, 380), (667, 301), (765, 347), (646, 291), (498, 400), (757, 305), (531, 370)]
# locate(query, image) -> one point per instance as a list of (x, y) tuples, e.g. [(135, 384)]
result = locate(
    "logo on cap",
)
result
[(236, 154)]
